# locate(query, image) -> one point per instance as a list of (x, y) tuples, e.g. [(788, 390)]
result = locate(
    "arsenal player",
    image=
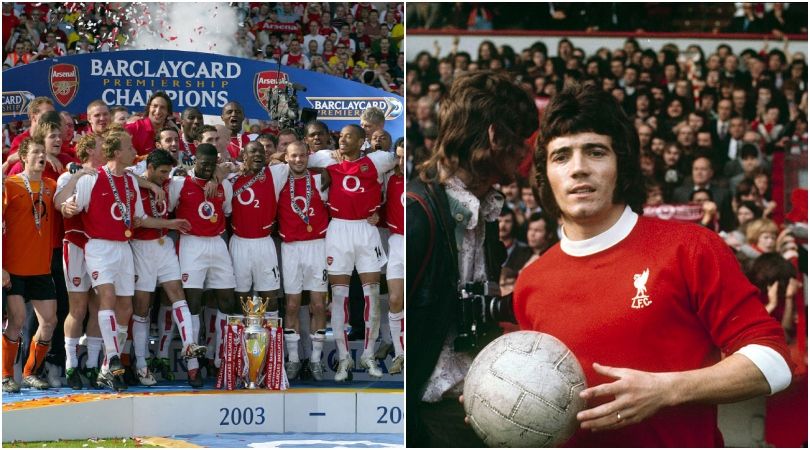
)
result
[(98, 115), (156, 263), (395, 273), (351, 241), (158, 113), (316, 135), (112, 210), (28, 217), (81, 297), (253, 252), (303, 219), (233, 115), (191, 122), (204, 259)]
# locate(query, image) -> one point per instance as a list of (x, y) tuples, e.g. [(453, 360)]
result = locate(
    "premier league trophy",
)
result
[(253, 349), (256, 339)]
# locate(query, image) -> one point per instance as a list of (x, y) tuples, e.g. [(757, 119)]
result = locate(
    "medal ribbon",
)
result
[(123, 208), (302, 214), (37, 214), (258, 177)]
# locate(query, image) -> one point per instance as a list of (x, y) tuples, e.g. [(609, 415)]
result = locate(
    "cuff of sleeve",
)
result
[(772, 365)]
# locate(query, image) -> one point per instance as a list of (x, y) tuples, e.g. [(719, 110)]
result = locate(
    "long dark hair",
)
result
[(476, 101), (586, 108)]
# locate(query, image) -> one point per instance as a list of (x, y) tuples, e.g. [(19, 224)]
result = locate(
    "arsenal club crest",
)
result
[(185, 277), (94, 275), (264, 83), (329, 260), (77, 281), (64, 79)]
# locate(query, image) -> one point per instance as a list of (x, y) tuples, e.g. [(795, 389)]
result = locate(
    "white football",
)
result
[(523, 391)]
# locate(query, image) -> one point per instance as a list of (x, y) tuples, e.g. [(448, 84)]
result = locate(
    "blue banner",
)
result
[(203, 80)]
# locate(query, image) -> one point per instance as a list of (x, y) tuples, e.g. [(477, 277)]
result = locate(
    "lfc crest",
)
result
[(64, 80), (641, 299)]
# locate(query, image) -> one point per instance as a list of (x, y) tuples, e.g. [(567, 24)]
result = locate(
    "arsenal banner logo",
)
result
[(263, 84), (64, 79)]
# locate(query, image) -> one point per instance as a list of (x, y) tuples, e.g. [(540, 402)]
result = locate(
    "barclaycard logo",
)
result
[(15, 103), (348, 108)]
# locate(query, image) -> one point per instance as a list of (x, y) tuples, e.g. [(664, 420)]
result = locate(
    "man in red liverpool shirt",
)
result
[(651, 316)]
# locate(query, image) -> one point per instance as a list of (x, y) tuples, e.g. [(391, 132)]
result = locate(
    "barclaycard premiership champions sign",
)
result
[(203, 80)]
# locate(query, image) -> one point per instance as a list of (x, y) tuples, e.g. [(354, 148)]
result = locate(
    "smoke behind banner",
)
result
[(202, 80)]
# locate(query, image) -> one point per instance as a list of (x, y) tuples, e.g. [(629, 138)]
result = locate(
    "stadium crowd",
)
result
[(715, 130)]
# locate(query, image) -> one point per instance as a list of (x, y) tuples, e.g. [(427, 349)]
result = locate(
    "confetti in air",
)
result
[(183, 26)]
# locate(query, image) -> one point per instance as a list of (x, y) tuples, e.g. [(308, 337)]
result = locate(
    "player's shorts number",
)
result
[(393, 415), (242, 416), (355, 184)]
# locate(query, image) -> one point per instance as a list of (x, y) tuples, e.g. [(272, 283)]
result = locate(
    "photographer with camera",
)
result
[(453, 251)]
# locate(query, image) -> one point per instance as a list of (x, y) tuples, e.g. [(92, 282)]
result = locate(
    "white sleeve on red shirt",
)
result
[(383, 161), (227, 207), (321, 158), (770, 363), (61, 182), (175, 186), (139, 212), (280, 173), (84, 187), (325, 193)]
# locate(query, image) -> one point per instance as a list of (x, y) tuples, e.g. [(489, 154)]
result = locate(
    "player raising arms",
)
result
[(303, 218), (204, 259), (28, 217), (351, 241), (156, 262), (113, 209)]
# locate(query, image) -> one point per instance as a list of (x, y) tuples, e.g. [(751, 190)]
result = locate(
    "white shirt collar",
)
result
[(603, 241)]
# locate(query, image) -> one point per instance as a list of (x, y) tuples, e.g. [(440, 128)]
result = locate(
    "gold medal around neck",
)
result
[(161, 241), (127, 234), (213, 219), (309, 228)]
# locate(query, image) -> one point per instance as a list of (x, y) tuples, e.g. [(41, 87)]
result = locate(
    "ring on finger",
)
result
[(619, 417)]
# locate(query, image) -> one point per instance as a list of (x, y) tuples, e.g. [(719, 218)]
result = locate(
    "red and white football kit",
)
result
[(77, 279), (152, 249), (395, 219), (355, 194), (303, 250), (107, 253), (237, 143), (252, 250), (204, 259), (143, 135), (656, 296)]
